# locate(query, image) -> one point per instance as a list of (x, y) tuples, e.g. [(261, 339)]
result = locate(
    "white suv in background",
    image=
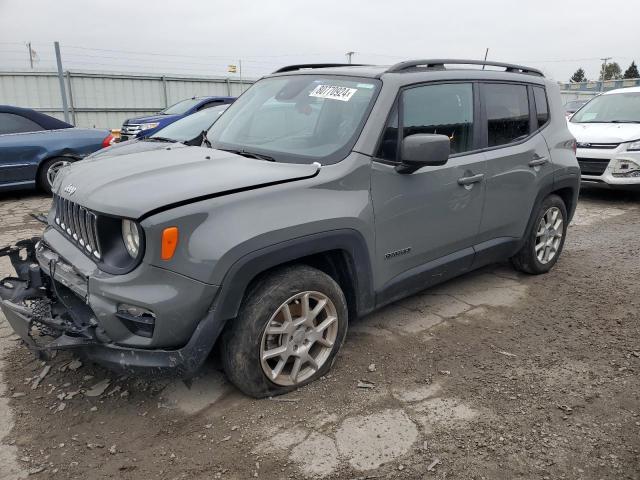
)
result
[(607, 130)]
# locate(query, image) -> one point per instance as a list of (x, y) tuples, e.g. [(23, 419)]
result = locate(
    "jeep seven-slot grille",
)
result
[(79, 224)]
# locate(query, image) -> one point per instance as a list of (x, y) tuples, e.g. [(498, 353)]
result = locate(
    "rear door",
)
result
[(18, 152), (518, 162), (427, 222)]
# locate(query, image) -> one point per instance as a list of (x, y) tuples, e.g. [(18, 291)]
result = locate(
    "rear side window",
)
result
[(11, 123), (507, 113), (542, 107), (445, 109)]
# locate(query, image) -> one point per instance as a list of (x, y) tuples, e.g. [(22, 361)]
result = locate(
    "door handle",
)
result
[(464, 181), (537, 162)]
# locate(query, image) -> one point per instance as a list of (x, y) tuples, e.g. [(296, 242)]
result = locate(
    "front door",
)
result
[(427, 222)]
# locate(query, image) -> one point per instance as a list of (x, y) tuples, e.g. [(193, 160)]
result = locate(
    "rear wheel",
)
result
[(287, 334), (544, 242), (48, 171)]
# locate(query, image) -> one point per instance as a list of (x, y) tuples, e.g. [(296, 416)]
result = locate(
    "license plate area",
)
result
[(55, 267)]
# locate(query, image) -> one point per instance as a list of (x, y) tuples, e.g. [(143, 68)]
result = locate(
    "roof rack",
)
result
[(439, 64), (291, 68)]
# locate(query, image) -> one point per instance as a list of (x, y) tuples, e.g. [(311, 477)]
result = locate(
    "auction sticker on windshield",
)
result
[(332, 92)]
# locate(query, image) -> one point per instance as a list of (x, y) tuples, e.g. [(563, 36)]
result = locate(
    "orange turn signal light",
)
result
[(169, 242)]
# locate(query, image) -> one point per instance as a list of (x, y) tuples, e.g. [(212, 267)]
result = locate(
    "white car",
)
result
[(607, 131)]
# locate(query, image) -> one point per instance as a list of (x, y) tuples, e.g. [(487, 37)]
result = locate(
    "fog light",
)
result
[(139, 321)]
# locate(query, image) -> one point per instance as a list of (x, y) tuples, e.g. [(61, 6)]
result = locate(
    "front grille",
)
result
[(593, 166), (79, 224), (603, 146), (130, 129)]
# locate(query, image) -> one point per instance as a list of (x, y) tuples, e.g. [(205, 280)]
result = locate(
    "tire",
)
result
[(47, 171), (532, 258), (245, 341)]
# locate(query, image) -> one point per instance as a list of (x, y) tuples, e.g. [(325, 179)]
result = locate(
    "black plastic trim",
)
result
[(244, 270)]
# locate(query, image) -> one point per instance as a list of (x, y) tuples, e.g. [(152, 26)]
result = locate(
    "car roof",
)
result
[(45, 121), (623, 90)]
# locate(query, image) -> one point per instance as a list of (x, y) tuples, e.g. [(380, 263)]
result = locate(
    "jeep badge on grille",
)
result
[(70, 189)]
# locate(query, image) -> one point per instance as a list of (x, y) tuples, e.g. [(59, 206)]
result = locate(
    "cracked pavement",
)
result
[(493, 375)]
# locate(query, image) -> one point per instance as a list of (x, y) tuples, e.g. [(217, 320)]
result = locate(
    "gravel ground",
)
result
[(495, 375)]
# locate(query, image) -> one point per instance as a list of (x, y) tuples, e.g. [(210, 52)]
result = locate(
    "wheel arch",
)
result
[(341, 254)]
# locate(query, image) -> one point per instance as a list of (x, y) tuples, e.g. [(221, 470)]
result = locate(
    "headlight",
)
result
[(148, 126), (626, 168), (634, 146), (131, 237)]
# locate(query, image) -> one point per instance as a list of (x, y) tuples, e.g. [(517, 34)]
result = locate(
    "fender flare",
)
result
[(248, 267)]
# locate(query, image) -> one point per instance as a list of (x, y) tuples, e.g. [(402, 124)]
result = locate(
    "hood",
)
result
[(137, 184), (605, 132), (151, 119), (129, 147)]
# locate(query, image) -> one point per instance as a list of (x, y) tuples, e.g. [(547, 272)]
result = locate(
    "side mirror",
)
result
[(423, 149)]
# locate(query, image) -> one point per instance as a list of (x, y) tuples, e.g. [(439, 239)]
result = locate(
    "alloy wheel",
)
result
[(53, 170), (299, 338), (549, 235)]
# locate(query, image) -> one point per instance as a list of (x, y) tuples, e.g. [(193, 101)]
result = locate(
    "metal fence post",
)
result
[(164, 90), (71, 106), (63, 92)]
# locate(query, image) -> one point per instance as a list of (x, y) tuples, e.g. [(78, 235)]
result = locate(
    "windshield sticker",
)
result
[(368, 86), (343, 94)]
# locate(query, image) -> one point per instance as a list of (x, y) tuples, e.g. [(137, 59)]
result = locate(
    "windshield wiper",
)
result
[(159, 139), (205, 140), (244, 153)]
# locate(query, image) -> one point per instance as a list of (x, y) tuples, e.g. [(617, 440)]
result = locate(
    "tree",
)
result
[(579, 76), (632, 71), (610, 71)]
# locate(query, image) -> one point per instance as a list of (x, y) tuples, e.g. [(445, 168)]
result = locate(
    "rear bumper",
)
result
[(54, 315)]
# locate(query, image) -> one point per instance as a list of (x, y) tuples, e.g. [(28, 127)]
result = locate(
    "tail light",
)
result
[(108, 141)]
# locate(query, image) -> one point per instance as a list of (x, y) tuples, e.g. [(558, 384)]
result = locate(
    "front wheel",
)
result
[(287, 334), (545, 239)]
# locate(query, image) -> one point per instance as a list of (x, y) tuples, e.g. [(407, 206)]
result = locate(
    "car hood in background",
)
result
[(150, 119), (137, 184), (605, 132), (129, 147)]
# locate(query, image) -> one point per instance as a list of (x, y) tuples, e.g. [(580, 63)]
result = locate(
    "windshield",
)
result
[(612, 108), (181, 107), (190, 127), (297, 118)]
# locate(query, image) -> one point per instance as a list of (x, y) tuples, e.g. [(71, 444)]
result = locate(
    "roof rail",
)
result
[(291, 68), (439, 64)]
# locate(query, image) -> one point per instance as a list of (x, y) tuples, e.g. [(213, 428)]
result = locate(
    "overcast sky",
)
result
[(199, 36)]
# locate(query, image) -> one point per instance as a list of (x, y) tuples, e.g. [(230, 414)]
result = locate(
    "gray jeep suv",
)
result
[(323, 193)]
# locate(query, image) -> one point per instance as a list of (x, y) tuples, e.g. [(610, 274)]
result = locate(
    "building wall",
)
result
[(104, 100)]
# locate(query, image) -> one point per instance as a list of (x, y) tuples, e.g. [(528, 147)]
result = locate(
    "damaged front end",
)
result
[(46, 314)]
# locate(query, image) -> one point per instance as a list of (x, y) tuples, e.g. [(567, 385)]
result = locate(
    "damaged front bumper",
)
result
[(48, 305)]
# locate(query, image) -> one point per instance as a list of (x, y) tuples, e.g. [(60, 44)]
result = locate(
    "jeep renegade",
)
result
[(323, 193)]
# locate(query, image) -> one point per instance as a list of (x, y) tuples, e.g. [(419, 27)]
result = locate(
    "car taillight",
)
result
[(108, 141)]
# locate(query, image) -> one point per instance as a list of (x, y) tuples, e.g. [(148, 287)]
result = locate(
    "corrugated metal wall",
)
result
[(104, 100)]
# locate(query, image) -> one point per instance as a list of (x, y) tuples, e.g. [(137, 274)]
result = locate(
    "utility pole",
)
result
[(240, 70), (604, 71), (349, 55), (63, 91), (30, 54)]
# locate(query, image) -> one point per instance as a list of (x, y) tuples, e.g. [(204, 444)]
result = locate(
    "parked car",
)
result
[(608, 133), (146, 126), (573, 106), (326, 194), (35, 146), (187, 131)]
